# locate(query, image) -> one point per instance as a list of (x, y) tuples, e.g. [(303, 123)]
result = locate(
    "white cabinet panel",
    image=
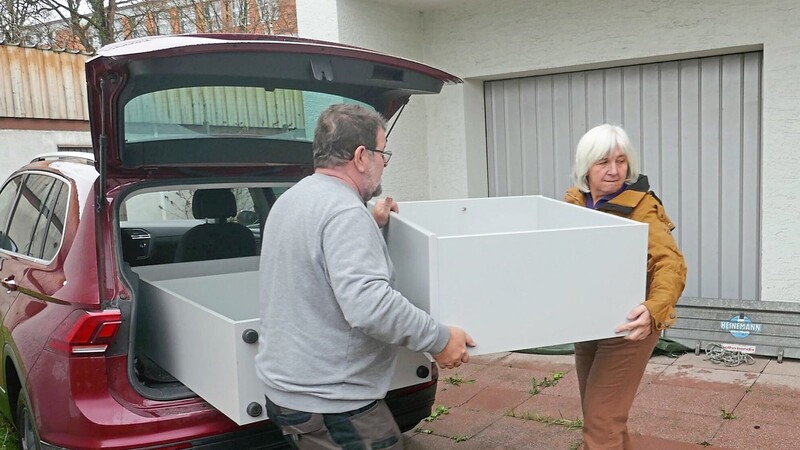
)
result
[(191, 321)]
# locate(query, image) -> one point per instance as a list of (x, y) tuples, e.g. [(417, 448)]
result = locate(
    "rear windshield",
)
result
[(216, 111)]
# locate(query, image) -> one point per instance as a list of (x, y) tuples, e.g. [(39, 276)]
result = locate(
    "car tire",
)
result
[(27, 433)]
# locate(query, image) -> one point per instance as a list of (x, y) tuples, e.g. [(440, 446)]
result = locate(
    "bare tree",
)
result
[(90, 24), (240, 16), (87, 23), (17, 18), (278, 17), (177, 204)]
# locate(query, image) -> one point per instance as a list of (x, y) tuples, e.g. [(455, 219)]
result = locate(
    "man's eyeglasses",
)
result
[(385, 154)]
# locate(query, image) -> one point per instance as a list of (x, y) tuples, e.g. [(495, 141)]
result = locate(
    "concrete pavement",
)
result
[(682, 403)]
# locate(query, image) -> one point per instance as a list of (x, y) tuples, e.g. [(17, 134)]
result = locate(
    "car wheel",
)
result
[(26, 428)]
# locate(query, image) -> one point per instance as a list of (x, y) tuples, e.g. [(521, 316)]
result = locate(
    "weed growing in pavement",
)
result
[(440, 410), (547, 420), (569, 424), (727, 415), (423, 430), (460, 438), (457, 380), (576, 445), (523, 416), (705, 444), (536, 387)]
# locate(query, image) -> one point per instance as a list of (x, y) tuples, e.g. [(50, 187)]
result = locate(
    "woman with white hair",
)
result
[(606, 176)]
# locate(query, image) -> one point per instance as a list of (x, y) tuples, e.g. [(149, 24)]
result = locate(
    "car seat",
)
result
[(218, 238)]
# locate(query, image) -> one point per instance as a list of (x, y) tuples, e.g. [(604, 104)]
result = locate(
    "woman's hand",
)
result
[(639, 325)]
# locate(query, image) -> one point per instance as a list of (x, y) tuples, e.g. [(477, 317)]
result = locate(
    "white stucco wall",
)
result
[(19, 147), (494, 39)]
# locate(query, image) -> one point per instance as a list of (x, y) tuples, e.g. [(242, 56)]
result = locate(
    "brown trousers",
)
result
[(609, 372), (369, 428)]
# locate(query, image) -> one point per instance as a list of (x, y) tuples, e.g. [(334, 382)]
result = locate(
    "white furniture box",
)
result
[(519, 272), (515, 272), (192, 319)]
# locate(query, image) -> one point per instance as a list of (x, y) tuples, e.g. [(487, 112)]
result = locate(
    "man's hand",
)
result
[(455, 352), (381, 210), (639, 325)]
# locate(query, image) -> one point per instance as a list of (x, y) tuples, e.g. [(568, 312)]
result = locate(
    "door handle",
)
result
[(9, 283)]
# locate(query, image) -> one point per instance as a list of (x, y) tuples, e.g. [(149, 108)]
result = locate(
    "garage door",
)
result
[(696, 123)]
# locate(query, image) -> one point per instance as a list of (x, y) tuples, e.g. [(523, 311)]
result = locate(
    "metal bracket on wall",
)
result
[(697, 346), (780, 355)]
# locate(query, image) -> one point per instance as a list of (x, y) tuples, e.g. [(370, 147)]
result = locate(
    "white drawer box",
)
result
[(519, 272), (191, 318)]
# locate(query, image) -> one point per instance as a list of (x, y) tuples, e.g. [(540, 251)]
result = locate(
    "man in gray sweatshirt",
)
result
[(331, 322)]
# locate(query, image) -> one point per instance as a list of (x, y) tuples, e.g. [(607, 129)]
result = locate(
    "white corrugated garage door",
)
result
[(696, 123)]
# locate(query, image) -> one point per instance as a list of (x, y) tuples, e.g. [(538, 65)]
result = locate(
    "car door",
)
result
[(31, 238), (8, 245), (8, 270)]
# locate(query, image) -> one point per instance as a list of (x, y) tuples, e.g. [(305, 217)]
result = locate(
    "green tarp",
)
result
[(663, 347)]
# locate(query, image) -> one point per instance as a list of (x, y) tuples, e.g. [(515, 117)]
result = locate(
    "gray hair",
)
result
[(598, 143), (341, 129)]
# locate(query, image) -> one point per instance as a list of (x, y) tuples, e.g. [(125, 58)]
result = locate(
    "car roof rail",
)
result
[(87, 158)]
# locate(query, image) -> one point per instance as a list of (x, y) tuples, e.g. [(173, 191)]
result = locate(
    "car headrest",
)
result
[(213, 204)]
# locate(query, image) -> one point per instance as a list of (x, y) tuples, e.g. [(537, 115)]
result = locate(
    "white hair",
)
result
[(598, 143)]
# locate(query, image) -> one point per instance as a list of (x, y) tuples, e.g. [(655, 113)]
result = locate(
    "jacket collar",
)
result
[(622, 203)]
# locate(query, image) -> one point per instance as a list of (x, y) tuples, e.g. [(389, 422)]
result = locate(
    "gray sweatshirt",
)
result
[(331, 323)]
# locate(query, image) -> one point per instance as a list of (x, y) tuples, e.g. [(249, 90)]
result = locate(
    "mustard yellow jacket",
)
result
[(666, 269)]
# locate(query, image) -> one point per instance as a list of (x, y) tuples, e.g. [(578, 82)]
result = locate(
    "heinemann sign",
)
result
[(740, 326), (756, 327)]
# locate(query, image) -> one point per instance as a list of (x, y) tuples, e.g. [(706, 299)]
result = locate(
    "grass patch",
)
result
[(457, 380), (8, 436), (537, 386), (440, 410), (727, 415)]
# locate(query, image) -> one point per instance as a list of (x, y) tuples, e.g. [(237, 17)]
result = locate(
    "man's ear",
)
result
[(360, 159)]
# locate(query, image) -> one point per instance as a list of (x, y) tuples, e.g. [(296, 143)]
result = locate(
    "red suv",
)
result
[(194, 138)]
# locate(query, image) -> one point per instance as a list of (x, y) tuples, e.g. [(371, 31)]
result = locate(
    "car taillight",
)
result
[(86, 332)]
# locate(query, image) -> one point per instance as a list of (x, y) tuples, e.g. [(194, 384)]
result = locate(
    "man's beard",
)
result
[(373, 192), (369, 195)]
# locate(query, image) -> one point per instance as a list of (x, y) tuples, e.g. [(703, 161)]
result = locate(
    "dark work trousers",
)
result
[(609, 372), (370, 427)]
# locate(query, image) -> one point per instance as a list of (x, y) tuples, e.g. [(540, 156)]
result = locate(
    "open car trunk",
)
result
[(195, 323), (197, 328)]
